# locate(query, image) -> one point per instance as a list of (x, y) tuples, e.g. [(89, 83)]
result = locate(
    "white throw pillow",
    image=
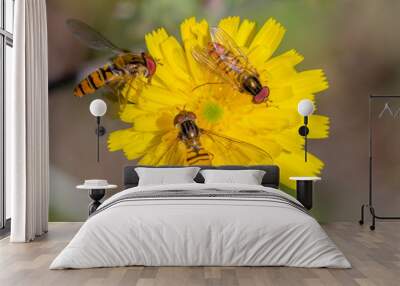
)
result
[(248, 177), (165, 176)]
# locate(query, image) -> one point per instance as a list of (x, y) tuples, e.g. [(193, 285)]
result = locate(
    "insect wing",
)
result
[(91, 37), (201, 56), (219, 36), (236, 151), (174, 155)]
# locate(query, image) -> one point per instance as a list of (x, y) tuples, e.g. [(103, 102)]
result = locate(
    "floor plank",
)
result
[(375, 257)]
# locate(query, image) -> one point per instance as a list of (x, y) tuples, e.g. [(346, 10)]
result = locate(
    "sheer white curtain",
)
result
[(27, 148)]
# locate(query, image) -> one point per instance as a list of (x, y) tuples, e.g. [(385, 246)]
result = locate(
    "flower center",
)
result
[(212, 112)]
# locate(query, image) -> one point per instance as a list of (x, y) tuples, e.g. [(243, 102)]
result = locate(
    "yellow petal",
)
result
[(174, 59), (289, 58), (154, 40), (319, 126), (168, 51), (245, 33), (153, 122), (258, 56), (279, 70), (165, 76), (170, 152), (134, 144), (230, 25), (149, 105), (280, 93), (117, 139), (270, 119), (164, 97), (290, 140), (173, 66), (194, 34), (269, 36), (308, 82), (130, 112), (294, 165)]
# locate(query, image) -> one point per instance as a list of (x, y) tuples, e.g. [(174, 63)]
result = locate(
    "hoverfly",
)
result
[(189, 134), (124, 67), (196, 154), (225, 58)]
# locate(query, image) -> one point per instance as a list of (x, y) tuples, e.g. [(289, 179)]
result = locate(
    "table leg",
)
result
[(96, 195), (304, 190)]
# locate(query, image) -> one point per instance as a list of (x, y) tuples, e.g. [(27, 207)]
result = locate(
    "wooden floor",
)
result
[(375, 257)]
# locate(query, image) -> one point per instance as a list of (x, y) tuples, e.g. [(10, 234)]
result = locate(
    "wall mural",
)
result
[(221, 97)]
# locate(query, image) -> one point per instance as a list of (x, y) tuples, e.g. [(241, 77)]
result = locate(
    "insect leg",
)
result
[(128, 81), (115, 89), (207, 83)]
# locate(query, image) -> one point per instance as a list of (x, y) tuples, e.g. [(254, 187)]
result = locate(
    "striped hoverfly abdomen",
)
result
[(98, 79)]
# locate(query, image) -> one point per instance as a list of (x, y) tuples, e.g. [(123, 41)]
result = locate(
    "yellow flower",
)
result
[(225, 114)]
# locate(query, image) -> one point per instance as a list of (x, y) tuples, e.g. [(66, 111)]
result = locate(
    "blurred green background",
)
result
[(356, 42)]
